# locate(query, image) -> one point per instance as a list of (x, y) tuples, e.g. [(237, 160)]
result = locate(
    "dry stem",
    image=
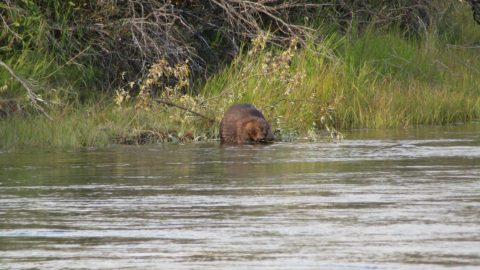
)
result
[(32, 96)]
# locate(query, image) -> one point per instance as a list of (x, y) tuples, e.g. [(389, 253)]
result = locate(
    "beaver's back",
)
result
[(243, 111), (234, 118)]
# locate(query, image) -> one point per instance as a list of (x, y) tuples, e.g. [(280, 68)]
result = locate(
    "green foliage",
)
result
[(455, 25), (35, 42), (375, 78)]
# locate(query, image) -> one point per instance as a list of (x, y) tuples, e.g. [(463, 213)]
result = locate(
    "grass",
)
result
[(93, 125), (377, 80), (30, 46), (370, 80)]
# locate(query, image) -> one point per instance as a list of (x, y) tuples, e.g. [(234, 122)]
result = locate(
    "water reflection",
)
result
[(379, 200)]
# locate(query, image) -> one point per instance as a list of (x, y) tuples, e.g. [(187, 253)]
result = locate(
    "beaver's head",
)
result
[(257, 130)]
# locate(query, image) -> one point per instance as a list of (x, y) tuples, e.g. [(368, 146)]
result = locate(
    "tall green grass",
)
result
[(373, 79), (43, 50)]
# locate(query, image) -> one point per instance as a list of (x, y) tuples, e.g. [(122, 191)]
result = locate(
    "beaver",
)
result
[(243, 123)]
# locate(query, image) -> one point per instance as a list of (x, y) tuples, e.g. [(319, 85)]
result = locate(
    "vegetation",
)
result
[(368, 69)]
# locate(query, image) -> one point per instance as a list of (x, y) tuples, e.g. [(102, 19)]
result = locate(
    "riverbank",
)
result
[(370, 79), (375, 81)]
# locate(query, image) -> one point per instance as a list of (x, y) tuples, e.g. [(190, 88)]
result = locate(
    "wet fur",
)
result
[(243, 124)]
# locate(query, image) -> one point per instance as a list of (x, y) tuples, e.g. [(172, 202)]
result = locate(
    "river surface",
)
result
[(405, 199)]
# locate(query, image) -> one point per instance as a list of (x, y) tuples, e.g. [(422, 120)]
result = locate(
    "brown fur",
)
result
[(243, 123)]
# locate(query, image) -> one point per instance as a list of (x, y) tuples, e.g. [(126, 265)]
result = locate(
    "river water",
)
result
[(405, 199)]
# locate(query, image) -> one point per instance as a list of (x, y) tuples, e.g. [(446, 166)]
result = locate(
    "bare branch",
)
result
[(32, 96), (169, 103)]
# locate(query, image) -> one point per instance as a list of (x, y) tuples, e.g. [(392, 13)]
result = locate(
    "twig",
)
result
[(68, 62), (34, 98), (169, 103), (463, 46), (9, 29)]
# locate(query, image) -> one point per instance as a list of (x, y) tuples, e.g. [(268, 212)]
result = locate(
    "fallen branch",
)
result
[(169, 103), (34, 98)]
